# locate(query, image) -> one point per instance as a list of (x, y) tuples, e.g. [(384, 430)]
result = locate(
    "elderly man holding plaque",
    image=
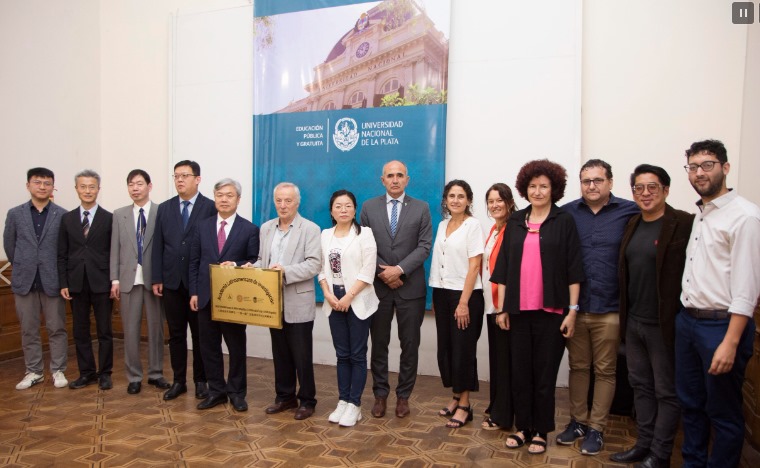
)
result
[(291, 244), (228, 240)]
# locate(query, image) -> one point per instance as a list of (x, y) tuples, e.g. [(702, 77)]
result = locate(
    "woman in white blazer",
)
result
[(349, 260)]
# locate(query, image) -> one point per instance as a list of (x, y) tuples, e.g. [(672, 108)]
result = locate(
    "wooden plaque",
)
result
[(251, 296)]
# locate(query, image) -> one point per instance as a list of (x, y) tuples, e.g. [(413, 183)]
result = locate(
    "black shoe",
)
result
[(134, 388), (652, 461), (201, 390), (175, 390), (159, 383), (239, 403), (212, 401), (280, 406), (105, 382), (83, 381), (636, 454)]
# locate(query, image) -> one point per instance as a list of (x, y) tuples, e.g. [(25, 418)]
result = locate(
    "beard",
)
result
[(713, 188)]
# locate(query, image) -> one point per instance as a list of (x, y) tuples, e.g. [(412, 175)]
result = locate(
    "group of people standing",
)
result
[(678, 290)]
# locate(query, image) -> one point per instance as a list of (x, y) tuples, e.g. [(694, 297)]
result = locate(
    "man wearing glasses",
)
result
[(652, 257), (601, 218), (176, 223), (715, 329), (30, 239)]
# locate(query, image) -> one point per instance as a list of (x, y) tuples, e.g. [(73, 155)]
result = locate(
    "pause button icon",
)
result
[(743, 12)]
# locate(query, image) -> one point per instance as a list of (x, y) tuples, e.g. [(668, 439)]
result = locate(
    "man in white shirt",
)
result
[(714, 331)]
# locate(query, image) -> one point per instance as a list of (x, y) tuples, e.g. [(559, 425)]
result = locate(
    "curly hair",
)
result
[(715, 147), (556, 174), (467, 191)]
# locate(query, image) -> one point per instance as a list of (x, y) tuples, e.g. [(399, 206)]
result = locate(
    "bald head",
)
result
[(395, 178)]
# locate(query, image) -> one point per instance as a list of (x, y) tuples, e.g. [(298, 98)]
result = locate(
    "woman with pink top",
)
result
[(539, 271)]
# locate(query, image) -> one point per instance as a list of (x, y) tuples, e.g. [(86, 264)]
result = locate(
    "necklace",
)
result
[(530, 229)]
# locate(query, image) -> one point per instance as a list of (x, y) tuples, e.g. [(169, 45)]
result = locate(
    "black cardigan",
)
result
[(561, 260)]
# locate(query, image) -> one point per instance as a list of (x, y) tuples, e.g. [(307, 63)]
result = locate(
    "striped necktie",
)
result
[(221, 236), (140, 235), (86, 223), (394, 217)]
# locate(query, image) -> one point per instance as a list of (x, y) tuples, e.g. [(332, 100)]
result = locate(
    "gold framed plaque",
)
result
[(251, 296)]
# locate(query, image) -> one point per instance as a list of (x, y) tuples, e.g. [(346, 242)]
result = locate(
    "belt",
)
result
[(707, 313)]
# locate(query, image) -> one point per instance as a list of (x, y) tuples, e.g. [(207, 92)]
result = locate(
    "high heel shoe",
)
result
[(446, 412), (456, 423)]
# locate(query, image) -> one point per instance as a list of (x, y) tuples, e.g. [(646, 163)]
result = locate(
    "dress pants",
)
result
[(292, 351), (29, 307), (537, 349), (500, 370), (178, 317), (457, 349), (349, 335), (409, 316), (131, 318), (212, 333), (101, 304), (710, 400)]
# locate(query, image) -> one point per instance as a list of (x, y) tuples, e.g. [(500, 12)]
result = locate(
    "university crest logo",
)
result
[(346, 134)]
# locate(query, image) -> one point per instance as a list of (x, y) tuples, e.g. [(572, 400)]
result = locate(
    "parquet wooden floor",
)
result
[(46, 426)]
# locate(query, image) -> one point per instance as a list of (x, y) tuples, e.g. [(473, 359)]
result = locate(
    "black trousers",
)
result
[(100, 304), (457, 349), (409, 316), (500, 368), (211, 336), (178, 317), (292, 351)]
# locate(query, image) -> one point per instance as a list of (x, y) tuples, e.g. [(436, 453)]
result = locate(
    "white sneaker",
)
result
[(29, 379), (351, 416), (59, 380), (336, 415)]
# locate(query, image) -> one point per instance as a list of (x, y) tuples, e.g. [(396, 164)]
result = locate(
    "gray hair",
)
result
[(282, 185), (87, 173), (227, 181)]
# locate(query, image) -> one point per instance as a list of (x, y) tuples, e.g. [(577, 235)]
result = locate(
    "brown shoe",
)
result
[(303, 412), (281, 406), (402, 407), (378, 410)]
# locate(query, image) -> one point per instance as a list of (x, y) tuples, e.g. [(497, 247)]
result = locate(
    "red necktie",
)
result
[(221, 237)]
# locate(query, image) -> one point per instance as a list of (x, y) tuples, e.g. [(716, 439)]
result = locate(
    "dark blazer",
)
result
[(561, 259), (242, 246), (171, 243), (26, 253), (671, 258), (78, 255), (409, 249)]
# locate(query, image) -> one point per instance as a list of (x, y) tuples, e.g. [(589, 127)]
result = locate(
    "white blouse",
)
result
[(451, 255)]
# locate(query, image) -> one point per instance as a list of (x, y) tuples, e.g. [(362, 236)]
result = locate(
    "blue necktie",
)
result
[(140, 235), (185, 213), (394, 217)]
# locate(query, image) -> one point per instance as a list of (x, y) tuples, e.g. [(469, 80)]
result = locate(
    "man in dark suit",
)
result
[(31, 245), (84, 250), (225, 239), (131, 255), (403, 232), (176, 223)]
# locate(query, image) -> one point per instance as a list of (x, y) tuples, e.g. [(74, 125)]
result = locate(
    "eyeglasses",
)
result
[(651, 187), (44, 183), (182, 176), (588, 182), (706, 166)]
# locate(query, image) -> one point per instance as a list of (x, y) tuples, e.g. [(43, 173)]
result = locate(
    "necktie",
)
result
[(221, 237), (86, 223), (140, 235), (185, 213), (394, 217)]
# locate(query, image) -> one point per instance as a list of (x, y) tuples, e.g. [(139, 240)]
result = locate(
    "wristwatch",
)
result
[(574, 307)]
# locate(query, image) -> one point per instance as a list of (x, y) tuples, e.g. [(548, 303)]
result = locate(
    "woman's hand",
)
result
[(568, 325), (502, 320), (344, 303), (462, 316), (332, 300)]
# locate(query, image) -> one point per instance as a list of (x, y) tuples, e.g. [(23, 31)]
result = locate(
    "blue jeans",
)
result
[(710, 399), (349, 335)]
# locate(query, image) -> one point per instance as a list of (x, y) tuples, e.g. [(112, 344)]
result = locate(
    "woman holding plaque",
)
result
[(349, 260)]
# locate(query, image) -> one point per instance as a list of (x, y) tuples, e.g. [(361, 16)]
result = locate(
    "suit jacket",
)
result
[(409, 249), (124, 247), (671, 258), (357, 262), (302, 261), (27, 254), (78, 254), (171, 243), (241, 246)]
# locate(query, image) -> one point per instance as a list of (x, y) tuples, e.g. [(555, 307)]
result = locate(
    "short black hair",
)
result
[(661, 173), (596, 163), (43, 172), (138, 172), (715, 147), (193, 165)]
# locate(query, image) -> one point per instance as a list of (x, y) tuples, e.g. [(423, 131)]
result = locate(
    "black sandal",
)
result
[(456, 422), (489, 424), (536, 440), (446, 412), (519, 440)]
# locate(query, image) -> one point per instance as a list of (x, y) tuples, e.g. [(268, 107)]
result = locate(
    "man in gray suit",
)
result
[(403, 233), (131, 253), (292, 244), (31, 245)]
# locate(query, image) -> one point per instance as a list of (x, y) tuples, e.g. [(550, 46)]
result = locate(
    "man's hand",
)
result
[(228, 263), (723, 359), (65, 294), (115, 291), (158, 289), (395, 284), (194, 303), (390, 274)]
